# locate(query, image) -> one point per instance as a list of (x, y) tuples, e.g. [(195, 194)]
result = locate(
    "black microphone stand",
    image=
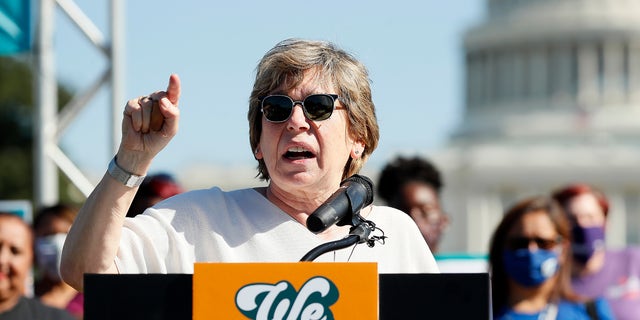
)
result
[(357, 234)]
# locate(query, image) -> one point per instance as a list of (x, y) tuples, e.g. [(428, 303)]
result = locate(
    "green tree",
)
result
[(17, 111)]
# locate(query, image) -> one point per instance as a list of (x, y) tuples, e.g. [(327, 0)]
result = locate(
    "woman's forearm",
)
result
[(92, 242)]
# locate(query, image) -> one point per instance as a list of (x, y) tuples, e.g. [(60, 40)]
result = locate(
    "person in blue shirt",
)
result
[(530, 264)]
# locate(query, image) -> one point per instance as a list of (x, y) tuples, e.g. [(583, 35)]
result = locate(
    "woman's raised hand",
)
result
[(149, 123)]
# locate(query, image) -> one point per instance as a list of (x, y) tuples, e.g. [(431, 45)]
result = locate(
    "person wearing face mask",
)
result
[(51, 225), (530, 265), (16, 260), (598, 271)]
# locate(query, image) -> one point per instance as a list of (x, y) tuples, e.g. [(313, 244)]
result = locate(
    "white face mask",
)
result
[(48, 253)]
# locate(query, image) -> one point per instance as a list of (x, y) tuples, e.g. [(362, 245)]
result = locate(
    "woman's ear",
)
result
[(257, 153), (357, 149)]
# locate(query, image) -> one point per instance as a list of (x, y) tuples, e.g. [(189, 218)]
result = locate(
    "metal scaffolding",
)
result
[(51, 124)]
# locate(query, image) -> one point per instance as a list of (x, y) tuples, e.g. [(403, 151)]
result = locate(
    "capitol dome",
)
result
[(553, 69), (552, 97)]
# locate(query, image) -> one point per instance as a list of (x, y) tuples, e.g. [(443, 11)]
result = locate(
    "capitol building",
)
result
[(552, 97)]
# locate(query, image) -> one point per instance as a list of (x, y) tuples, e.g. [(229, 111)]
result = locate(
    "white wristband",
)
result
[(127, 178)]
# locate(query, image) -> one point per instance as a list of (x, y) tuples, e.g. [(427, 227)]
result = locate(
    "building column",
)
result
[(633, 71), (613, 73), (560, 76), (588, 94), (519, 75), (484, 212), (537, 83), (489, 85), (475, 96)]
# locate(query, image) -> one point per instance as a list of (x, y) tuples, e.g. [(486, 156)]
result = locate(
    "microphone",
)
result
[(355, 193)]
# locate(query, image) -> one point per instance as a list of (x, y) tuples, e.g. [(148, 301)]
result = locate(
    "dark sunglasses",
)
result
[(514, 243), (317, 107)]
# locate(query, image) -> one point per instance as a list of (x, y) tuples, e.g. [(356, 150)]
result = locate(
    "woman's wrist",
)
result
[(122, 175)]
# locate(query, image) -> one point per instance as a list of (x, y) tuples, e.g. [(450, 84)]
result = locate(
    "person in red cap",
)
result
[(154, 189)]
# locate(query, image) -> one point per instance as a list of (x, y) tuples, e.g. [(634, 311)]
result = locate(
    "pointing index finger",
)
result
[(173, 89)]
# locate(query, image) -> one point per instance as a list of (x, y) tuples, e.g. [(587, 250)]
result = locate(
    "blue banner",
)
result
[(15, 26)]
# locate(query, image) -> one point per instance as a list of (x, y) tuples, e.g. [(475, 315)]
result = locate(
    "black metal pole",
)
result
[(330, 246), (357, 234)]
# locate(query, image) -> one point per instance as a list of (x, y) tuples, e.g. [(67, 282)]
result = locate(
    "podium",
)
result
[(400, 296)]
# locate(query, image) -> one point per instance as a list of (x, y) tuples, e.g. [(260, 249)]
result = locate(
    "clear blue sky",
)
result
[(411, 48)]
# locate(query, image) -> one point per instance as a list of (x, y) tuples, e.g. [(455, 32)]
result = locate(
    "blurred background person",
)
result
[(154, 189), (51, 225), (598, 271), (530, 262), (413, 185), (16, 261)]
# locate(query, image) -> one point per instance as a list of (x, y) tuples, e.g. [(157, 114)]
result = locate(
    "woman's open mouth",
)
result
[(298, 153)]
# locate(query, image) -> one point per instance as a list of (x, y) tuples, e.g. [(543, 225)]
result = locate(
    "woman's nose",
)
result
[(4, 255), (297, 119)]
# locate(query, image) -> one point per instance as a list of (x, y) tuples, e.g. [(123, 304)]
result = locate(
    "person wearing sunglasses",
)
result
[(598, 271), (312, 124), (530, 266)]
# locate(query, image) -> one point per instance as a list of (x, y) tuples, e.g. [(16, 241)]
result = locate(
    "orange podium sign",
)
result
[(297, 290)]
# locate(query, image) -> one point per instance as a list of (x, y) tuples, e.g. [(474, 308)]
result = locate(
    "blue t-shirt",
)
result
[(567, 310)]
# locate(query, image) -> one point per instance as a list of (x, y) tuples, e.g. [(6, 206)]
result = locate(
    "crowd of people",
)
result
[(547, 257), (530, 264), (31, 286)]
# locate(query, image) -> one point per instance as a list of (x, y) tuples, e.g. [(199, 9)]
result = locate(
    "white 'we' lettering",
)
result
[(280, 301)]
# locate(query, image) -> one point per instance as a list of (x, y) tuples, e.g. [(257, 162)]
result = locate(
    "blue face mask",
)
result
[(530, 268)]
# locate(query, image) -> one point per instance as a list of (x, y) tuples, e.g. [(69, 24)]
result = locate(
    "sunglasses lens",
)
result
[(518, 243), (522, 243), (318, 106), (545, 243), (277, 108)]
